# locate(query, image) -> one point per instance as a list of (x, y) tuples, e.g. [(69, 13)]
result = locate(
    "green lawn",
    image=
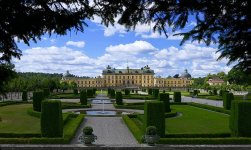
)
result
[(16, 120), (196, 120)]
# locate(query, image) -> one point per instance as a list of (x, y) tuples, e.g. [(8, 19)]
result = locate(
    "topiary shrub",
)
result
[(119, 98), (87, 130), (46, 92), (177, 97), (112, 93), (154, 114), (150, 91), (24, 96), (164, 97), (164, 91), (38, 97), (75, 91), (227, 99), (156, 93), (240, 122), (94, 91), (108, 92), (83, 97), (127, 92), (51, 119), (214, 91), (195, 92), (90, 93)]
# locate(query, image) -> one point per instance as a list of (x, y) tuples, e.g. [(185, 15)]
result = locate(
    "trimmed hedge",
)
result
[(19, 135), (90, 92), (83, 97), (135, 130), (127, 92), (112, 93), (46, 92), (171, 114), (177, 97), (69, 132), (119, 98), (240, 122), (154, 114), (69, 105), (150, 91), (214, 91), (51, 119), (202, 135), (24, 96), (190, 141), (156, 93), (213, 108), (75, 91), (33, 113), (227, 99), (195, 92), (38, 97), (164, 97)]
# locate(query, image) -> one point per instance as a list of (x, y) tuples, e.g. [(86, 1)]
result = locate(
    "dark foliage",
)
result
[(38, 97)]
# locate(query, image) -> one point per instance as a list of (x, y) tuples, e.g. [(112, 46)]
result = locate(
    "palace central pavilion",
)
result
[(129, 78)]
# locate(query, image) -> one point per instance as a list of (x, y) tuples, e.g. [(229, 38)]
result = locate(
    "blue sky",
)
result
[(88, 53)]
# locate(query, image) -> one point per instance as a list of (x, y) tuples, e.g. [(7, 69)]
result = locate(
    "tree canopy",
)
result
[(224, 22)]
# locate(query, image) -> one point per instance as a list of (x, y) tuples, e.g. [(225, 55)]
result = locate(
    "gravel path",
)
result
[(202, 101), (110, 131)]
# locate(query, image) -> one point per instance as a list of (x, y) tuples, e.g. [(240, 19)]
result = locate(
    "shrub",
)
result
[(150, 91), (46, 92), (177, 97), (24, 96), (227, 98), (90, 93), (127, 92), (213, 108), (240, 122), (215, 91), (94, 91), (38, 97), (154, 115), (109, 92), (195, 92), (112, 94), (210, 93), (51, 119), (75, 91), (156, 93), (119, 98), (83, 97), (165, 98), (151, 130), (87, 130)]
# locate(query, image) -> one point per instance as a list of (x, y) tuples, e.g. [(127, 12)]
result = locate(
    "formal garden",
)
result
[(166, 119)]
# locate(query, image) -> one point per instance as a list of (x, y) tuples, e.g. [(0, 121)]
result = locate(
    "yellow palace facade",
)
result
[(129, 78)]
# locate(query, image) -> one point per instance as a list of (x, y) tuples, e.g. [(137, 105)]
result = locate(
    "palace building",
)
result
[(129, 78)]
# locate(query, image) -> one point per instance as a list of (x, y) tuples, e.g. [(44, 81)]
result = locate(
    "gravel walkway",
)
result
[(203, 101), (111, 131)]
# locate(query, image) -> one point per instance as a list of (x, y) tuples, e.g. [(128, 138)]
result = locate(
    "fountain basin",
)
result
[(103, 113)]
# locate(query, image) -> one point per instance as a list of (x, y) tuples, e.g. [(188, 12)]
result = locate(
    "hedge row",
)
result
[(38, 97), (6, 103), (33, 113), (51, 119), (240, 122), (213, 108), (190, 141), (24, 96), (156, 93), (203, 135), (150, 91), (171, 114), (69, 132), (19, 135), (83, 97), (177, 97), (74, 105), (135, 130), (164, 97), (227, 99), (127, 92), (154, 114), (119, 98)]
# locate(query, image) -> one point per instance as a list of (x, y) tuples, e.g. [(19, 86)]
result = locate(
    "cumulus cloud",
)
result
[(79, 44), (171, 60), (131, 48)]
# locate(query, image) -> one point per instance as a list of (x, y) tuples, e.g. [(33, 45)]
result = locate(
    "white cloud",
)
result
[(79, 44), (197, 59), (132, 48)]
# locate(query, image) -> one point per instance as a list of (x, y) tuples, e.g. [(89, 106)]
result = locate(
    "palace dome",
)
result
[(185, 74)]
